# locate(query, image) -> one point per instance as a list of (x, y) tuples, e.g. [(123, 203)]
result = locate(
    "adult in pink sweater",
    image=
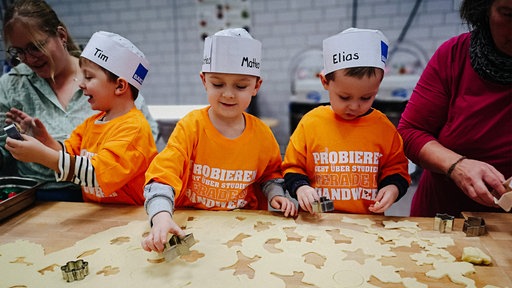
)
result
[(458, 122)]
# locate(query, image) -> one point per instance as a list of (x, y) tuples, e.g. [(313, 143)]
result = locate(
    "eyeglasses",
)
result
[(33, 49)]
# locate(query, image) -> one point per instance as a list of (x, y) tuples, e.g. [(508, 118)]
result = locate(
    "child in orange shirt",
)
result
[(348, 151), (109, 152), (219, 157)]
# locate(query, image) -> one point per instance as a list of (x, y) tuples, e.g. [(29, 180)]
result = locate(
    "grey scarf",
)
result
[(488, 62)]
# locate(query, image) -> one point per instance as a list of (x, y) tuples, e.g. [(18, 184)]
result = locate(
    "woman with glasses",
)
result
[(44, 85)]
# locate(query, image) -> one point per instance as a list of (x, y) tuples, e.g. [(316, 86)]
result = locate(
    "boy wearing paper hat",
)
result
[(348, 151), (109, 152), (219, 157)]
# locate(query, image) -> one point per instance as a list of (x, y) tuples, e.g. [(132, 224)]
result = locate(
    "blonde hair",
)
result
[(37, 18)]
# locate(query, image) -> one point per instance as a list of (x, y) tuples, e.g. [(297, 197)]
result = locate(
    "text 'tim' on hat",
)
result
[(118, 55)]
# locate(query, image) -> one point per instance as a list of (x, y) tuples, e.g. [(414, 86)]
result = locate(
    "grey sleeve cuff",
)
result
[(159, 198), (273, 188)]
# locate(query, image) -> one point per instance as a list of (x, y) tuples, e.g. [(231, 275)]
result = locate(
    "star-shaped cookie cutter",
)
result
[(75, 270), (443, 222), (177, 246), (322, 205), (474, 226)]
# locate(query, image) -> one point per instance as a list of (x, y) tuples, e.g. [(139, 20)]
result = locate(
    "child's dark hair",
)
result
[(112, 77), (356, 72)]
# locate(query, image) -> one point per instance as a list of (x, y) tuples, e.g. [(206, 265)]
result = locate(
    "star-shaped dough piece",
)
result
[(363, 222), (405, 225), (456, 271)]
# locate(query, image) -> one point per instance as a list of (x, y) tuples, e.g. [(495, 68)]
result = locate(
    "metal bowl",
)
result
[(25, 189)]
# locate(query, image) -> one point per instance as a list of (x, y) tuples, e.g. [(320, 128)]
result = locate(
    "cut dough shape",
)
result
[(405, 225), (475, 255), (262, 226), (293, 281), (120, 240), (310, 238), (413, 283), (87, 253), (314, 259), (243, 265), (456, 271), (237, 241), (291, 235), (363, 222), (338, 237), (21, 260), (270, 245), (50, 268), (386, 235), (438, 242), (193, 256), (431, 256), (385, 274), (108, 271), (357, 256), (367, 243), (348, 279)]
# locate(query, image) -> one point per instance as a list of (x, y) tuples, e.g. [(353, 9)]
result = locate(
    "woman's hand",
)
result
[(307, 195), (285, 205), (477, 179), (162, 226), (21, 118)]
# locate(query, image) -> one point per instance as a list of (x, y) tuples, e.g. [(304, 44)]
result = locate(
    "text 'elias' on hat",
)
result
[(355, 47), (118, 55), (232, 51)]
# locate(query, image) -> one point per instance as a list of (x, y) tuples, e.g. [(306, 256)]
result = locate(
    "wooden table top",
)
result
[(58, 225)]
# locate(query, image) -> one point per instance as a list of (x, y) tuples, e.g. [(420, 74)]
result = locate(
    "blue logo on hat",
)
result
[(383, 51), (140, 74)]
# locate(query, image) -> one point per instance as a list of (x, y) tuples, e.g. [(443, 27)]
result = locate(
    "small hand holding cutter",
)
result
[(322, 205), (177, 246)]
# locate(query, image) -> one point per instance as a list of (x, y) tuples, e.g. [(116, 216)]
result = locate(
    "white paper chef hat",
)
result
[(355, 47), (232, 51), (118, 55)]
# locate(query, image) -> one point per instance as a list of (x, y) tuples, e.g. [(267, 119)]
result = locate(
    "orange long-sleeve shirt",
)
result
[(119, 150), (209, 171), (346, 160)]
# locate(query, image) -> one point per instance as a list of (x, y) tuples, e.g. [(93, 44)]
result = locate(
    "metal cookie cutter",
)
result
[(323, 205), (178, 246), (443, 222), (474, 226), (75, 270)]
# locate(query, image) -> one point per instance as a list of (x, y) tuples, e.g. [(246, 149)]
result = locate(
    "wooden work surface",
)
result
[(58, 225)]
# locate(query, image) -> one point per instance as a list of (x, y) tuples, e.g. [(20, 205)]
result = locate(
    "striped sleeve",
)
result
[(76, 169)]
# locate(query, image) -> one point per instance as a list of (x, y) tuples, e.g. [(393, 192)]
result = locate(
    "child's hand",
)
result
[(29, 125), (29, 150), (385, 198), (307, 195), (162, 226), (285, 205)]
